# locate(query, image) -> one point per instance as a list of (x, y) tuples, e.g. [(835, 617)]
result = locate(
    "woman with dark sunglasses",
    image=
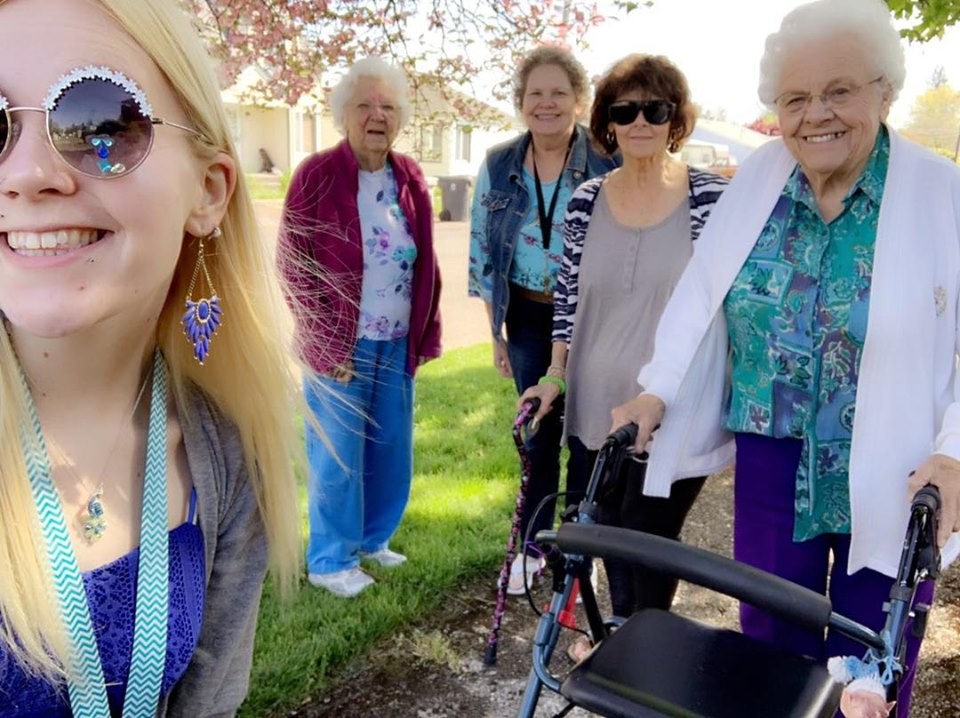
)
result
[(516, 242), (145, 477), (627, 237)]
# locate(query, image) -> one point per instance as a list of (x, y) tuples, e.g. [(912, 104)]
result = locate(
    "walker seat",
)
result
[(661, 664)]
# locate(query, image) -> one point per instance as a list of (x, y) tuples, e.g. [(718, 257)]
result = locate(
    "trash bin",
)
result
[(454, 198)]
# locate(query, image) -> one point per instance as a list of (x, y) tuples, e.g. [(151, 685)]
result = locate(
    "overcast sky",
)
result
[(718, 44)]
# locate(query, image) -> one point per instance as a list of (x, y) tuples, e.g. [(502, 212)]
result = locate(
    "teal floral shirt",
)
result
[(797, 319), (532, 267)]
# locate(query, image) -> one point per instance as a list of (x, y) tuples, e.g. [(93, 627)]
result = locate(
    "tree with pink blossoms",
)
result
[(444, 43)]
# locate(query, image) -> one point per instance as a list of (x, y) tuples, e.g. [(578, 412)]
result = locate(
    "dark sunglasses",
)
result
[(98, 121), (656, 112)]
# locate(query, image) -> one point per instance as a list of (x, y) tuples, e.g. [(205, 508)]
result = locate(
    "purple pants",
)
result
[(763, 537)]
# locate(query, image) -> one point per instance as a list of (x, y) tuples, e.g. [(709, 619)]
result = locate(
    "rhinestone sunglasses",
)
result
[(98, 120)]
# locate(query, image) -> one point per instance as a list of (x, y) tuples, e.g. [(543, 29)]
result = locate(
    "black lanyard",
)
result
[(546, 217)]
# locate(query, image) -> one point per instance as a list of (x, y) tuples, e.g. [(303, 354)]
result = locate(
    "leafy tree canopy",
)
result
[(929, 18), (446, 43), (443, 43)]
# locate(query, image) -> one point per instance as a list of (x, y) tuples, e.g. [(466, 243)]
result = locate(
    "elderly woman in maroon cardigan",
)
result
[(357, 249)]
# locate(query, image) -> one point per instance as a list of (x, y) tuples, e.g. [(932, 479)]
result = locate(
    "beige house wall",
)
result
[(258, 127)]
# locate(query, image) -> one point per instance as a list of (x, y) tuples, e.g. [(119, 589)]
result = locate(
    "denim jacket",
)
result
[(503, 208)]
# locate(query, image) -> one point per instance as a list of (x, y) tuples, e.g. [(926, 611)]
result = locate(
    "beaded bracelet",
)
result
[(556, 370), (556, 381)]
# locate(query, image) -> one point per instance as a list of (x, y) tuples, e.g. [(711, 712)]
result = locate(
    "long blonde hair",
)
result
[(250, 374)]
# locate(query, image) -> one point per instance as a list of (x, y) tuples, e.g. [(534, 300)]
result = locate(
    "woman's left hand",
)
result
[(943, 472)]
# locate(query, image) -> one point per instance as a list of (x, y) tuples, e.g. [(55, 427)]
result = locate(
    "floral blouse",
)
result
[(531, 267), (797, 319), (389, 255)]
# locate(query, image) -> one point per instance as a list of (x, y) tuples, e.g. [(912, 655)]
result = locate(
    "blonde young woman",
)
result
[(138, 467)]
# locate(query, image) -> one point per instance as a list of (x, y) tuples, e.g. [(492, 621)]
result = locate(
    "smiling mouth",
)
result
[(819, 139), (51, 244)]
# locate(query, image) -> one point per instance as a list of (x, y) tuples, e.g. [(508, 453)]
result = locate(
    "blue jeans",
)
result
[(357, 505), (529, 327)]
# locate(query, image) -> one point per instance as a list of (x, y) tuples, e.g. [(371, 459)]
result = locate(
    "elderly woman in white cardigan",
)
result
[(830, 269)]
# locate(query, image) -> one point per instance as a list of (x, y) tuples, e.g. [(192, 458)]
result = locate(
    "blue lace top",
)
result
[(111, 593)]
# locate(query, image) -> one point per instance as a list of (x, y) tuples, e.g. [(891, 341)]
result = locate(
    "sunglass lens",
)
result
[(5, 130), (657, 112), (99, 129), (623, 113)]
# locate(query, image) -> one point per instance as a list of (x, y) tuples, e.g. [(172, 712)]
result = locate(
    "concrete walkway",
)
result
[(464, 318)]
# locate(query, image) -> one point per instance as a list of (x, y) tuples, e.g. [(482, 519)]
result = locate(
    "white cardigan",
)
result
[(908, 394)]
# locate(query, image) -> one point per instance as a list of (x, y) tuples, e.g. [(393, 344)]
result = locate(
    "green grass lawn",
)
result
[(465, 481)]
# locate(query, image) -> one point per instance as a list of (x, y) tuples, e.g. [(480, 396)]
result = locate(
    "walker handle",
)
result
[(770, 593)]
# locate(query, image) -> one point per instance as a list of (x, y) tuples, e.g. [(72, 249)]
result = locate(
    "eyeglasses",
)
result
[(656, 112), (835, 98), (98, 121)]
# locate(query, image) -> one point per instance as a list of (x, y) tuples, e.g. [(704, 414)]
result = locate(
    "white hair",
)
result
[(375, 67), (868, 20)]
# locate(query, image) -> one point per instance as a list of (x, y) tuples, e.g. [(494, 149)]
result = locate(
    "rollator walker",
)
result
[(657, 663)]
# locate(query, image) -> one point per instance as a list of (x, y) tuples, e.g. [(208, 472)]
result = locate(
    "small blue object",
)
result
[(95, 524), (200, 323)]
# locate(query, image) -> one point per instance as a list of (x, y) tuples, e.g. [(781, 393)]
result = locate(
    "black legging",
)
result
[(634, 587)]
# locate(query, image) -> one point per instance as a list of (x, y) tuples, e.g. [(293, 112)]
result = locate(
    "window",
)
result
[(431, 144), (306, 132), (464, 137)]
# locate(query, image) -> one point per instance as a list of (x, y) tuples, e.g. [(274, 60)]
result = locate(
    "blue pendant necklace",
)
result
[(85, 682)]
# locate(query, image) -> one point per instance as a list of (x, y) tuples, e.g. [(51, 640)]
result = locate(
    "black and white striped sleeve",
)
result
[(575, 224)]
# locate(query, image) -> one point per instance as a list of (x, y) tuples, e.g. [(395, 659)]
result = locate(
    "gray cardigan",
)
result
[(235, 549)]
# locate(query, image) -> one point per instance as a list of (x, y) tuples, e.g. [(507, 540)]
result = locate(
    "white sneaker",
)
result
[(385, 557), (346, 584), (533, 565)]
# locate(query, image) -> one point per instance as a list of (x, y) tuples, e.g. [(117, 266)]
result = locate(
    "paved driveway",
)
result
[(464, 318)]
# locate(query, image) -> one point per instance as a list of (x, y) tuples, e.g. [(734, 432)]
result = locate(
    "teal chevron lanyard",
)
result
[(88, 693)]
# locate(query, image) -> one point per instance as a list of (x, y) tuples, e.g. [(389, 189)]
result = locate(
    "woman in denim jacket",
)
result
[(516, 244)]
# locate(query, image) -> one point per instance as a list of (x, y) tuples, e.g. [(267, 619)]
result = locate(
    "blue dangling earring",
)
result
[(203, 316)]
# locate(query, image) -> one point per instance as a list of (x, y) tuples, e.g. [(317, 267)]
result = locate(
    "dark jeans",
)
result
[(634, 587), (763, 517), (529, 327)]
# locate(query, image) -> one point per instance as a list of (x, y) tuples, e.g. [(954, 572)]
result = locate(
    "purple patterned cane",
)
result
[(525, 414)]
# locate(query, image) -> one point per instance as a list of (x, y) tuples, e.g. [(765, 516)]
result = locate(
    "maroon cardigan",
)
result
[(321, 257)]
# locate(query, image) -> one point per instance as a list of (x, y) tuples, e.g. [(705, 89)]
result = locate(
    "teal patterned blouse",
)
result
[(532, 267), (797, 318)]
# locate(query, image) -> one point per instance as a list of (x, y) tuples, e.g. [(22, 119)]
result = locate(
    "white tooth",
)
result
[(48, 240), (32, 240)]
